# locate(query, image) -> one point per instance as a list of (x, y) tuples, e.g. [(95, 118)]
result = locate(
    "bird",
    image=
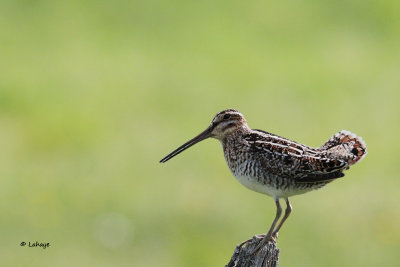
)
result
[(275, 166)]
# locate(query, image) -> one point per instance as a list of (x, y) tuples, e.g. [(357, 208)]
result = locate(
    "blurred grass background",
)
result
[(94, 93)]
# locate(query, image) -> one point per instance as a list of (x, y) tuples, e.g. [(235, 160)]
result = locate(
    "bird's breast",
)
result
[(250, 175)]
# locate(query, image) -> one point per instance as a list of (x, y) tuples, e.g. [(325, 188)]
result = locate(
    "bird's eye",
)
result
[(226, 116)]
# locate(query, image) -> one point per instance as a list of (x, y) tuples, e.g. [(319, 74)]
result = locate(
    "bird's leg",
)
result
[(287, 213), (269, 233)]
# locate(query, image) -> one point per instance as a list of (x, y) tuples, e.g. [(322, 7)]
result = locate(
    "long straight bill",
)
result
[(188, 144)]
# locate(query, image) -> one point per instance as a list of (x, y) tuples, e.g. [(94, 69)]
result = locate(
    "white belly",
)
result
[(253, 184)]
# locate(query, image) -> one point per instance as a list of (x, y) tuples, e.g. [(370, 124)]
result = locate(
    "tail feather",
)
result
[(346, 146)]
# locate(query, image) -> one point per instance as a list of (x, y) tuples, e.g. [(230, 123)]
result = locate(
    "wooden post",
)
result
[(243, 256)]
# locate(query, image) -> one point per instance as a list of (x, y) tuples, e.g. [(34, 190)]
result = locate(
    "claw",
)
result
[(275, 236), (256, 236), (262, 243)]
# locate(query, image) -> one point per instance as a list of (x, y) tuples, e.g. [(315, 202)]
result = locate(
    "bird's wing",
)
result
[(320, 177), (288, 158)]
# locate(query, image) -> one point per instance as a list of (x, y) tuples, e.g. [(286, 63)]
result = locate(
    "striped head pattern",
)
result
[(226, 122)]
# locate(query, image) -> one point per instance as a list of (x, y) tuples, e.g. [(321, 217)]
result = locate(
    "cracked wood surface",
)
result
[(266, 256)]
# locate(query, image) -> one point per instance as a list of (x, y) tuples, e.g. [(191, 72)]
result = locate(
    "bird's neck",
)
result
[(234, 136)]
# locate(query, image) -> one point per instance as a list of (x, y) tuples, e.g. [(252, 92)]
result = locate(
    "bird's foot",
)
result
[(261, 236), (274, 236), (265, 239)]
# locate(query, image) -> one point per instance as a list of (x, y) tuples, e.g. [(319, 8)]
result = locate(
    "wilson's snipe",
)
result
[(276, 166)]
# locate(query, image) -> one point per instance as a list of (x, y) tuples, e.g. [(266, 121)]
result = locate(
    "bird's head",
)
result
[(224, 123)]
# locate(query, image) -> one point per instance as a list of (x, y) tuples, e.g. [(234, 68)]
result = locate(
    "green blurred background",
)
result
[(94, 93)]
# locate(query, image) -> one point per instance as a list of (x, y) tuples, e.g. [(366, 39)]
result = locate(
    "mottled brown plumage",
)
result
[(276, 166)]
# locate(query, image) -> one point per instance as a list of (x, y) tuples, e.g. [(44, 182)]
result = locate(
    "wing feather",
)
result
[(291, 159)]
